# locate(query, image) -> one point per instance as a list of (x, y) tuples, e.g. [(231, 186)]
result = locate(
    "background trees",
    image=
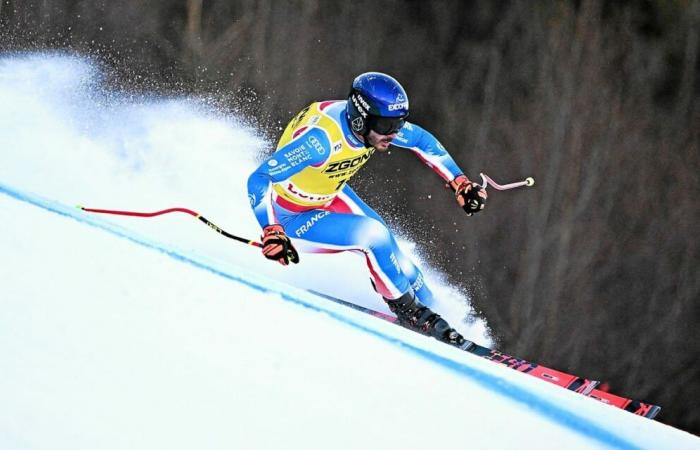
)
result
[(597, 270)]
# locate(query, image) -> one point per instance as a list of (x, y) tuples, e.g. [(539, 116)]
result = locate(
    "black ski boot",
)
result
[(415, 316)]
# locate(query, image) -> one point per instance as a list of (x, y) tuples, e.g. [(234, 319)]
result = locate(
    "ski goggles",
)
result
[(385, 125)]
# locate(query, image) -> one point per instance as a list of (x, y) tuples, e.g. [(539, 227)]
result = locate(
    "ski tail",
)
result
[(634, 406)]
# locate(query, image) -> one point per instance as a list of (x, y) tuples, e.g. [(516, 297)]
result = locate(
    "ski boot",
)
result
[(415, 316)]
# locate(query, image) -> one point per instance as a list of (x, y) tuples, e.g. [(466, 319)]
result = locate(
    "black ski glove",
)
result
[(469, 195)]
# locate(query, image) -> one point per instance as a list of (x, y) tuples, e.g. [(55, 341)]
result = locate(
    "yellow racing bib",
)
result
[(317, 185)]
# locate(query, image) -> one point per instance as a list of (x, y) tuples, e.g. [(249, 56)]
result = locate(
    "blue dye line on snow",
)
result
[(493, 383)]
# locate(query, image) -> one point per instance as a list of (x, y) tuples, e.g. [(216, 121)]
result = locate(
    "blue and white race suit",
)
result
[(303, 186)]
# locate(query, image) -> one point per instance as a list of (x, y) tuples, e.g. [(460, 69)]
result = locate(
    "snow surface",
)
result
[(158, 333), (68, 137)]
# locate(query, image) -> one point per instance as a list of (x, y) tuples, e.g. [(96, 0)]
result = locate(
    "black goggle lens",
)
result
[(385, 125)]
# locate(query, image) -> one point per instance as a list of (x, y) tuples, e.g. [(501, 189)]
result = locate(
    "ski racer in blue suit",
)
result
[(301, 198)]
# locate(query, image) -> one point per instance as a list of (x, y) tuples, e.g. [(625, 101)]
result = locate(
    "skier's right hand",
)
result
[(277, 246)]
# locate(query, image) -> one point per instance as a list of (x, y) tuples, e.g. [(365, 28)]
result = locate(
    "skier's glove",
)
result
[(277, 246), (470, 196)]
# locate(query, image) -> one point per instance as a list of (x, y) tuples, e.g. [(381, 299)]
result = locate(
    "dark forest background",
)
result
[(596, 269)]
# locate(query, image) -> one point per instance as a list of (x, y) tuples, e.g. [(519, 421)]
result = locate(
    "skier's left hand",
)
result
[(469, 195)]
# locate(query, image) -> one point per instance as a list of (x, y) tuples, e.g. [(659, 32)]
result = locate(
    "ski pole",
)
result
[(172, 210), (486, 180)]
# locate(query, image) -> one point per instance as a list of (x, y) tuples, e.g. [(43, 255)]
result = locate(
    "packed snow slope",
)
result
[(158, 333), (69, 137)]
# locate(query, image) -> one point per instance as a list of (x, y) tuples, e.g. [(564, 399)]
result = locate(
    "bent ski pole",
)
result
[(486, 180), (171, 210)]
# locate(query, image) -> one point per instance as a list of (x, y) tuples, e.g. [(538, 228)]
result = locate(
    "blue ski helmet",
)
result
[(376, 102)]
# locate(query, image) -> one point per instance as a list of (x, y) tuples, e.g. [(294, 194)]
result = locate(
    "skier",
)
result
[(300, 193)]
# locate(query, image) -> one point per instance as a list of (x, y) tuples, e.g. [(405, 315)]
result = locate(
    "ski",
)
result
[(634, 406), (574, 383), (568, 381)]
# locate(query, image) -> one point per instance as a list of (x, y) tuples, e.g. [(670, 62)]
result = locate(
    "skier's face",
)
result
[(380, 142)]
